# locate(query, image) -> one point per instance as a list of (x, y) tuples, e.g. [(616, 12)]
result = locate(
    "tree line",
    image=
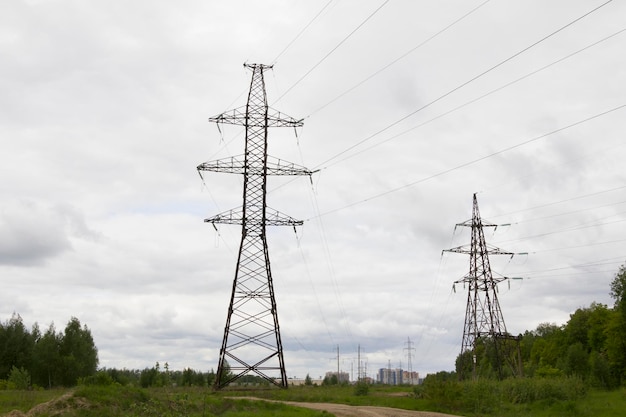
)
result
[(590, 346), (162, 376), (48, 359)]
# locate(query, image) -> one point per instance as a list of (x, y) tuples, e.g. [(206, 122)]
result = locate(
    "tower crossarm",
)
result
[(244, 116), (233, 216), (493, 250), (276, 218), (473, 223), (459, 249), (272, 218), (467, 249), (473, 279), (237, 165)]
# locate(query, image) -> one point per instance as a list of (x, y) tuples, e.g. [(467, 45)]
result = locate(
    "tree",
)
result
[(148, 377), (600, 372), (79, 355), (616, 329), (618, 288), (577, 328), (16, 346), (464, 365), (226, 372), (577, 361), (47, 359), (330, 380), (598, 322)]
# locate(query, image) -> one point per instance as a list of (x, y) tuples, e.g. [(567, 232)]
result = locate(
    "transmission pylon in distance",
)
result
[(252, 342), (484, 321)]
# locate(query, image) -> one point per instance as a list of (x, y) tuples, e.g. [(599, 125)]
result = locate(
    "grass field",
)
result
[(116, 400), (25, 400)]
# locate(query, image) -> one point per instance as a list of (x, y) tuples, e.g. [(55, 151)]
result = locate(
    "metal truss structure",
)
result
[(252, 342), (483, 316)]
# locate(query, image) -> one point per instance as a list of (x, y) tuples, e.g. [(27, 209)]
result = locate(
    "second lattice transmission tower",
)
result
[(252, 342), (484, 321)]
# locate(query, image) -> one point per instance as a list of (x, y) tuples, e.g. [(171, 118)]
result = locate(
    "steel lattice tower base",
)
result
[(483, 315), (252, 342)]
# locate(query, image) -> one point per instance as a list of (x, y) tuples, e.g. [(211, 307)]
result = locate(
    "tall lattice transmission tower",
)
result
[(484, 321), (252, 342)]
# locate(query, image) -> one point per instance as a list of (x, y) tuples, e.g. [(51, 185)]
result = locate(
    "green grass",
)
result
[(117, 400), (472, 400), (25, 400), (525, 398)]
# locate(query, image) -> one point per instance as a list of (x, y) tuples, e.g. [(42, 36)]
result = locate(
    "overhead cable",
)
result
[(332, 50), (467, 103), (393, 190), (463, 84), (399, 58), (301, 32)]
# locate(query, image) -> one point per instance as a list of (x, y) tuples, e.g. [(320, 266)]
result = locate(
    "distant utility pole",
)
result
[(483, 316), (338, 364), (358, 363), (252, 342), (409, 350)]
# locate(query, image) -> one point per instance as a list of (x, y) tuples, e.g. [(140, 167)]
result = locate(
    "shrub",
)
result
[(481, 396), (527, 390), (19, 378), (446, 393), (361, 388), (101, 378)]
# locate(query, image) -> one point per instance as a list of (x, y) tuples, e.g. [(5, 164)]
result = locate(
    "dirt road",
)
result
[(343, 410)]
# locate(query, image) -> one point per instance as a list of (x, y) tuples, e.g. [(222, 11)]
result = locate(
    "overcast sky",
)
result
[(409, 107)]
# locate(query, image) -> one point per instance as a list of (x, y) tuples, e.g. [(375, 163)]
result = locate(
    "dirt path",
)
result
[(343, 410)]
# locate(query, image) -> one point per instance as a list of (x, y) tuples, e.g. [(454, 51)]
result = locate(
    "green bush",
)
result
[(361, 388), (489, 397), (445, 394), (101, 378), (19, 378), (481, 396), (528, 390)]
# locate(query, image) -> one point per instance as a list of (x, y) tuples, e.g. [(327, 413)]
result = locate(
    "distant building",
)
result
[(300, 381), (341, 377), (397, 376), (411, 378), (390, 376)]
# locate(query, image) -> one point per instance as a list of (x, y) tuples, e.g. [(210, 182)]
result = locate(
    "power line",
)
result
[(301, 32), (569, 229), (569, 212), (581, 246), (566, 200), (399, 58), (471, 101), (463, 84), (332, 50), (467, 103), (600, 262), (447, 171)]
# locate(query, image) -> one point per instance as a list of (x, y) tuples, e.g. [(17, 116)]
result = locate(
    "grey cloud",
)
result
[(31, 234)]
